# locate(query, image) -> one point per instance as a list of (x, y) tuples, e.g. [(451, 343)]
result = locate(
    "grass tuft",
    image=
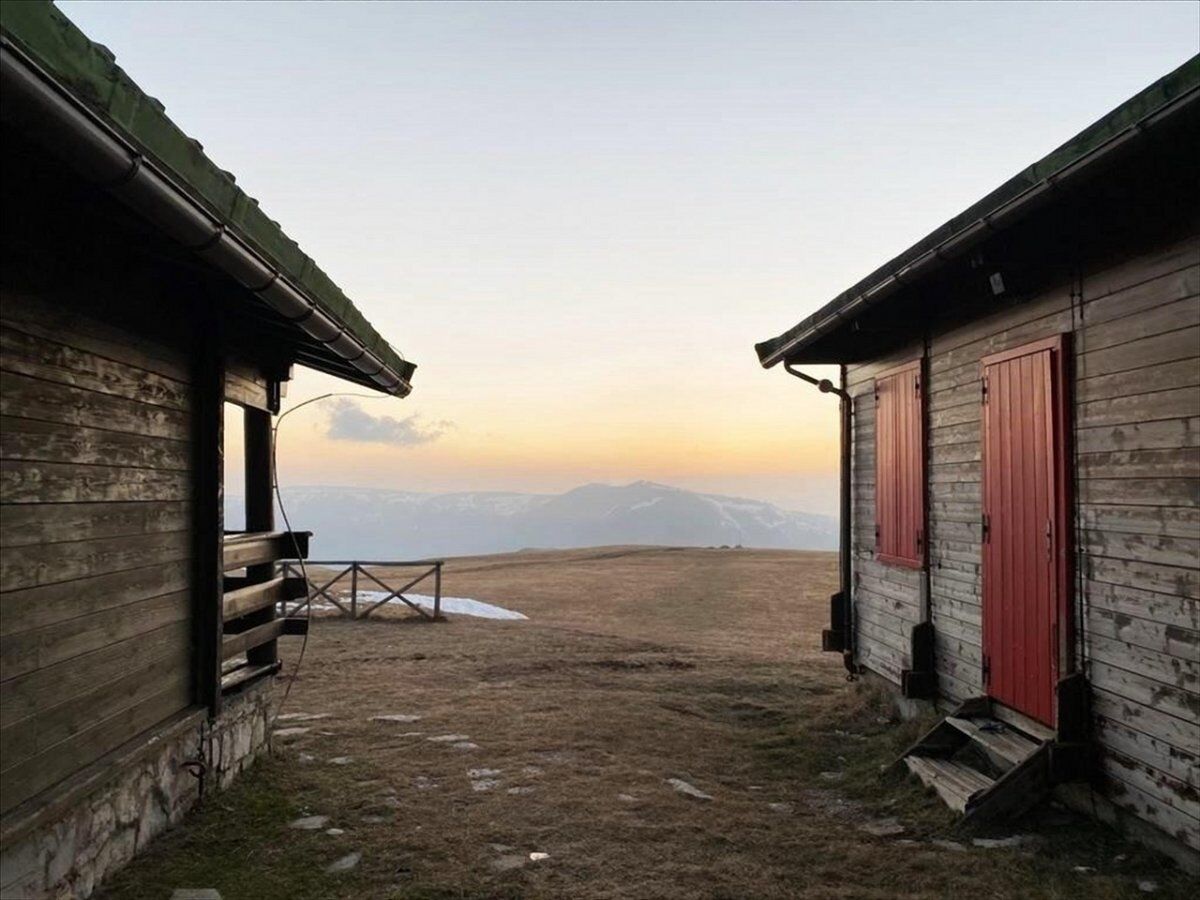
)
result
[(631, 670)]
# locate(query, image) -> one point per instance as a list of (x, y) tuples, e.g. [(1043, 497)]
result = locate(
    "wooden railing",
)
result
[(249, 626), (348, 604), (244, 548)]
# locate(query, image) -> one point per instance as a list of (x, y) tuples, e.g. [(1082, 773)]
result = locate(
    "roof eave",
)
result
[(915, 265), (108, 156)]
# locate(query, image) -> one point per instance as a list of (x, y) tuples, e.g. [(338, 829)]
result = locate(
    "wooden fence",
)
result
[(358, 570)]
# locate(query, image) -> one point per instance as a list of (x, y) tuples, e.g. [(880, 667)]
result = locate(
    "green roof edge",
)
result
[(1142, 104), (89, 72)]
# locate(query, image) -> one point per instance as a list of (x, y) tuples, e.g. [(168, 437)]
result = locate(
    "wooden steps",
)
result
[(956, 783), (1004, 746), (982, 767)]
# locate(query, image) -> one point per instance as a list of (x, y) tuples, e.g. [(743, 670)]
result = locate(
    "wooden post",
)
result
[(354, 591), (437, 591), (208, 479), (285, 569), (260, 514)]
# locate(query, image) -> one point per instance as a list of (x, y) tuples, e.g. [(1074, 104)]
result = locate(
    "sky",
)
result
[(577, 219)]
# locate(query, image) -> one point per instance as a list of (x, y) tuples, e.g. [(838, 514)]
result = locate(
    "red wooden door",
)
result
[(1025, 533)]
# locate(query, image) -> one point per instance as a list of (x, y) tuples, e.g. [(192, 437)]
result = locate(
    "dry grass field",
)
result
[(635, 666)]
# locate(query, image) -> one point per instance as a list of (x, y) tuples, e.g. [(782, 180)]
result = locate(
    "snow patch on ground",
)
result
[(689, 789), (461, 606)]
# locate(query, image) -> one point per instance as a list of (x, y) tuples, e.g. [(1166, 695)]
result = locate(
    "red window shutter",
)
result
[(899, 466)]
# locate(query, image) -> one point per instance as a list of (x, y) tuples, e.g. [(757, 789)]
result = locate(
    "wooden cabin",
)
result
[(1021, 477), (141, 295)]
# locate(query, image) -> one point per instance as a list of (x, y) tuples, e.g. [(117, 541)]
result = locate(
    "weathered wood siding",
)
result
[(95, 540), (887, 598), (1137, 394), (1136, 398)]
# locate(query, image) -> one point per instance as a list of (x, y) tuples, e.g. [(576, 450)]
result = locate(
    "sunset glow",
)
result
[(577, 219)]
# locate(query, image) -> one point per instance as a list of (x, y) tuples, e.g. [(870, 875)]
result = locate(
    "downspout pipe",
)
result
[(840, 634), (35, 102)]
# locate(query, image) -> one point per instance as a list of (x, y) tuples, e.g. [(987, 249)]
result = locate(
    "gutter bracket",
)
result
[(824, 385)]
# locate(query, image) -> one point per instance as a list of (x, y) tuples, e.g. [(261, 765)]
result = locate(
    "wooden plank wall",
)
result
[(95, 540), (1137, 408), (886, 597), (1136, 327), (245, 385)]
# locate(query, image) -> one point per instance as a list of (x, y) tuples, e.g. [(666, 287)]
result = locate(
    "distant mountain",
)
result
[(361, 523)]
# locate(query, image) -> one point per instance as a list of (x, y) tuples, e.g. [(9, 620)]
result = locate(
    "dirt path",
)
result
[(660, 727)]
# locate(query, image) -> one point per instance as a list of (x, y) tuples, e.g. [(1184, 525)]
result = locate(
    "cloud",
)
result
[(348, 422)]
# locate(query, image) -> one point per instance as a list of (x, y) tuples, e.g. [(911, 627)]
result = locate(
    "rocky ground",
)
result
[(660, 726)]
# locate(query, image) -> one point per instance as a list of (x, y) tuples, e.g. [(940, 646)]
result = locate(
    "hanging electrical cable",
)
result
[(308, 595)]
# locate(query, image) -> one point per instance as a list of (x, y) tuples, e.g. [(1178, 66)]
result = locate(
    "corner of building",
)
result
[(88, 832)]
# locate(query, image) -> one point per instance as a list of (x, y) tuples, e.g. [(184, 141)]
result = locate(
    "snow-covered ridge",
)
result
[(355, 522)]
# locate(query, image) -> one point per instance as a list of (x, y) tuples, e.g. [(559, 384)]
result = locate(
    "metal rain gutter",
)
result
[(103, 157), (974, 234)]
